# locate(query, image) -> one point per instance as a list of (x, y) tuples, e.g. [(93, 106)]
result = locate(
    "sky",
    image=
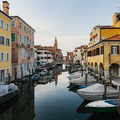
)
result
[(71, 21)]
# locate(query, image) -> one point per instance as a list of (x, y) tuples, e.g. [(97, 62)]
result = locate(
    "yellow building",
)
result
[(5, 43), (103, 49)]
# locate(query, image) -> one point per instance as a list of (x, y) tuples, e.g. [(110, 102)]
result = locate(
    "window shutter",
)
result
[(0, 39), (118, 49), (6, 42), (111, 49)]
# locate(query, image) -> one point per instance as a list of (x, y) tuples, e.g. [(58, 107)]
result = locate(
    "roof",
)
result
[(116, 37), (82, 46), (23, 21), (5, 14)]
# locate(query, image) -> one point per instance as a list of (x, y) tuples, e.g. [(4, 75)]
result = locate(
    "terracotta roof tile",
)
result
[(116, 37)]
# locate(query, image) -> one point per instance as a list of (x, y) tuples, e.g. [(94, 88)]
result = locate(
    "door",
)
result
[(2, 75)]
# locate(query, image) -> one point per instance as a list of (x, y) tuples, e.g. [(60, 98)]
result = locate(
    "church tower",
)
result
[(55, 43)]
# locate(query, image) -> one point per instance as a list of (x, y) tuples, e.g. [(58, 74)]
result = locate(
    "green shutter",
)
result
[(13, 37)]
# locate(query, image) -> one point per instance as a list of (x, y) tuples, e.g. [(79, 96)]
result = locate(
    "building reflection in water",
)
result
[(23, 107), (51, 77)]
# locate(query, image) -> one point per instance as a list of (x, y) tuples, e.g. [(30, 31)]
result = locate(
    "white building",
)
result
[(44, 56), (80, 53)]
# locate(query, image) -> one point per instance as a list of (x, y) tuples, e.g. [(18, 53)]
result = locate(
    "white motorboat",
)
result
[(81, 81), (75, 73), (74, 76), (7, 92), (103, 105), (96, 92)]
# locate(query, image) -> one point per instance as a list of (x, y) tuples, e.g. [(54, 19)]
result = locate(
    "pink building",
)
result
[(22, 46)]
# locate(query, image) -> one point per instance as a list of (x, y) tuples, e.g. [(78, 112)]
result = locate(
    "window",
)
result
[(32, 43), (20, 53), (7, 56), (7, 42), (13, 37), (75, 50), (25, 66), (2, 76), (19, 24), (30, 32), (39, 52), (2, 24), (2, 56), (24, 40), (24, 28), (33, 54), (8, 71), (7, 26), (41, 57), (114, 50), (20, 40), (2, 41), (25, 53), (27, 30), (102, 50), (97, 51), (13, 23), (27, 40)]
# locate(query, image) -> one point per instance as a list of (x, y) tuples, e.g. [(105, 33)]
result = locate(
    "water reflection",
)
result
[(52, 76), (82, 109), (22, 107), (104, 116)]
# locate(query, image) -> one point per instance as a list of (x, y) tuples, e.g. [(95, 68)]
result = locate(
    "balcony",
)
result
[(28, 57), (28, 45)]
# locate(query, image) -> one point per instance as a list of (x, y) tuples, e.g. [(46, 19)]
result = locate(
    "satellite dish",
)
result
[(103, 37)]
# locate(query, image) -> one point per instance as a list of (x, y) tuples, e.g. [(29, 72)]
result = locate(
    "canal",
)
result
[(51, 99)]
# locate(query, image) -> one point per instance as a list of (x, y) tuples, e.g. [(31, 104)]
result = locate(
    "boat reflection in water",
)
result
[(23, 107), (104, 116), (51, 77), (82, 108)]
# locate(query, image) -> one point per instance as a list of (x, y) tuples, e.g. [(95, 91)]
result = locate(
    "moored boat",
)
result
[(7, 92), (96, 92), (103, 106)]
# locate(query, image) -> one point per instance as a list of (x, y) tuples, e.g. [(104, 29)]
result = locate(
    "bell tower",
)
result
[(55, 43)]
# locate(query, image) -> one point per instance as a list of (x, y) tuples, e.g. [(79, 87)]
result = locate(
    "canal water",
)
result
[(51, 99)]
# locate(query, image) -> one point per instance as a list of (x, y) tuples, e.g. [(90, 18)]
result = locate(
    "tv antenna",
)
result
[(118, 8)]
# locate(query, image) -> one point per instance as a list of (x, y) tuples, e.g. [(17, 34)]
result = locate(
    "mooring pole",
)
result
[(105, 89), (86, 78), (8, 78), (119, 101), (110, 79)]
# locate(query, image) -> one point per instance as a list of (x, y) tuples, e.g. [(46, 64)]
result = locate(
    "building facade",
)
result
[(44, 55), (69, 56), (5, 43), (56, 52), (80, 53), (22, 46), (103, 50)]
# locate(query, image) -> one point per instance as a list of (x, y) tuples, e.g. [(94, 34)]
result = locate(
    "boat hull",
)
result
[(102, 109), (98, 97), (8, 96)]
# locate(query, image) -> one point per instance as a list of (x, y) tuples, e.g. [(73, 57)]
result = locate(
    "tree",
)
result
[(82, 54)]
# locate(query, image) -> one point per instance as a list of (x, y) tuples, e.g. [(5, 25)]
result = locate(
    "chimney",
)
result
[(6, 7)]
